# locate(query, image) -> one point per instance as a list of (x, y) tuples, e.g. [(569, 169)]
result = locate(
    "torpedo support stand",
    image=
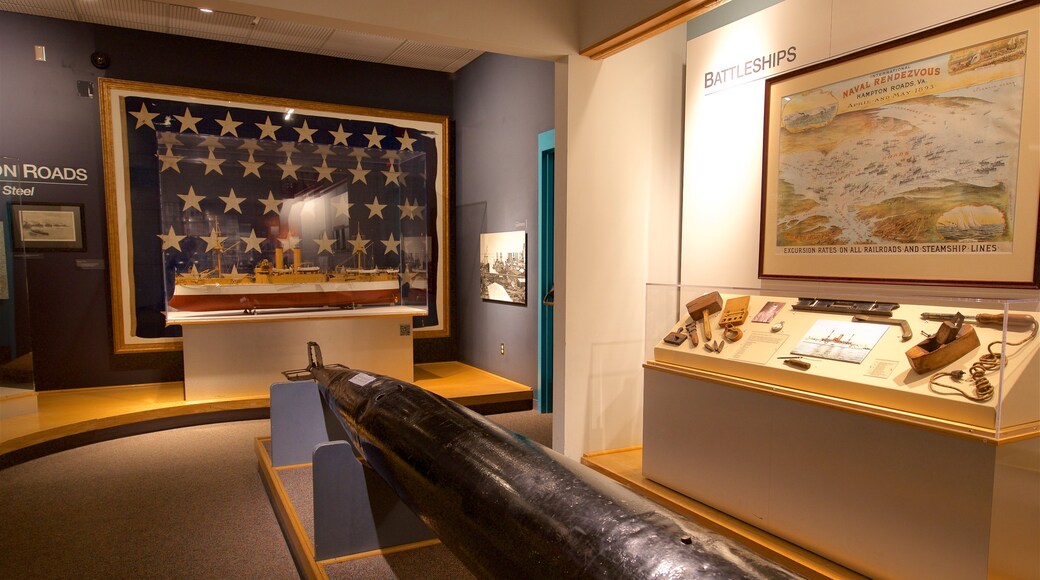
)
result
[(355, 511)]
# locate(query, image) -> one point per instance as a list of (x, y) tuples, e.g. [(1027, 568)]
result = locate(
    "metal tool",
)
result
[(798, 364), (904, 325), (845, 306), (1014, 321)]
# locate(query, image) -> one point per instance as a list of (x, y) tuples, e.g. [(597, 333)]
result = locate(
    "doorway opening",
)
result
[(546, 172)]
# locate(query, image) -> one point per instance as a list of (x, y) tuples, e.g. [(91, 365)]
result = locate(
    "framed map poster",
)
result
[(910, 163)]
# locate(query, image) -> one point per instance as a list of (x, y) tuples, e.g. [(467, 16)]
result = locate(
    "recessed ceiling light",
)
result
[(206, 10)]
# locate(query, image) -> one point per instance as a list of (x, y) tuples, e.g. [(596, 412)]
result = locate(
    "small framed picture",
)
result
[(47, 226), (503, 267)]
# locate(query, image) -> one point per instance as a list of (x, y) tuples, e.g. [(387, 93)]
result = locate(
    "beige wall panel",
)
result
[(724, 119), (623, 133), (859, 24), (722, 188)]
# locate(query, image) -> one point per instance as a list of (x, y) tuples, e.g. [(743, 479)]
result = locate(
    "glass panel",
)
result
[(16, 367), (953, 363), (347, 233)]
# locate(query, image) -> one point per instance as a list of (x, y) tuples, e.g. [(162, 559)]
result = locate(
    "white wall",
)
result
[(619, 215), (723, 141)]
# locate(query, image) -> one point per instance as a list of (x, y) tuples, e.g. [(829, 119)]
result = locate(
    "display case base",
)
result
[(626, 467), (876, 494), (239, 359)]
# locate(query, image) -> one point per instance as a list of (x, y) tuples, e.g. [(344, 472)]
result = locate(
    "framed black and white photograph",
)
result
[(503, 267), (47, 226)]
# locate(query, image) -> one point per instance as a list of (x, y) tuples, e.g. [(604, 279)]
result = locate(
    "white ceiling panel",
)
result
[(248, 29), (138, 14), (350, 56), (463, 60), (429, 56), (217, 25), (63, 9), (234, 39), (369, 45), (288, 35)]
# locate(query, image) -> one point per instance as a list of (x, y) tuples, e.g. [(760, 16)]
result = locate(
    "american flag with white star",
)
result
[(238, 182)]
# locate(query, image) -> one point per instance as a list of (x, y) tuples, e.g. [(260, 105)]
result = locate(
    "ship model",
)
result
[(273, 286)]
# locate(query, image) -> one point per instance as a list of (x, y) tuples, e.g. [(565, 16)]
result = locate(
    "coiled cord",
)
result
[(982, 387)]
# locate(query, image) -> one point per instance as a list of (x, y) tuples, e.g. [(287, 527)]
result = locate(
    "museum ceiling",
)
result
[(250, 30)]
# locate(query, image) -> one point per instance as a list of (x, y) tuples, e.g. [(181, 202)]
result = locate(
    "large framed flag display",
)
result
[(213, 197)]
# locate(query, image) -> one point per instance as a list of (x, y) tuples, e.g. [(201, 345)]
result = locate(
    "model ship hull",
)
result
[(255, 296)]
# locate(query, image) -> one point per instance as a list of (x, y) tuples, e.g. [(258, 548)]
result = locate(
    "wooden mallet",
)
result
[(703, 308)]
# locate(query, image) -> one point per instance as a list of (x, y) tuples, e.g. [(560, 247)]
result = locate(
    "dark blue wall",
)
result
[(44, 120), (501, 105)]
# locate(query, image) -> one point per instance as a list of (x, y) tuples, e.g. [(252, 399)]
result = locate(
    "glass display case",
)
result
[(969, 365), (346, 234), (16, 368)]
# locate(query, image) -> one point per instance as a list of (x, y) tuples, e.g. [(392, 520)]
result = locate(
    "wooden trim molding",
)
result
[(652, 26), (300, 546)]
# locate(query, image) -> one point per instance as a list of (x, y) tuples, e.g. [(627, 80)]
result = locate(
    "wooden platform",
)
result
[(626, 467), (471, 387), (75, 417), (294, 512)]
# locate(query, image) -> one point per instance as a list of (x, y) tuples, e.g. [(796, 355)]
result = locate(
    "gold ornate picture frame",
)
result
[(913, 162), (134, 114)]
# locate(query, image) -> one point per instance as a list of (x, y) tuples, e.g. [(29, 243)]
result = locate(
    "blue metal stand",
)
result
[(354, 510)]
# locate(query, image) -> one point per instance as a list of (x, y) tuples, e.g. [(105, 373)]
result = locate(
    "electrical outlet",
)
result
[(502, 348)]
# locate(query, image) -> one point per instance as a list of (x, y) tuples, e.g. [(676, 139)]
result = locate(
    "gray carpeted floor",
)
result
[(184, 503)]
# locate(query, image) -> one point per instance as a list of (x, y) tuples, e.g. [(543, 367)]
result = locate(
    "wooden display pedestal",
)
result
[(240, 356), (884, 497)]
